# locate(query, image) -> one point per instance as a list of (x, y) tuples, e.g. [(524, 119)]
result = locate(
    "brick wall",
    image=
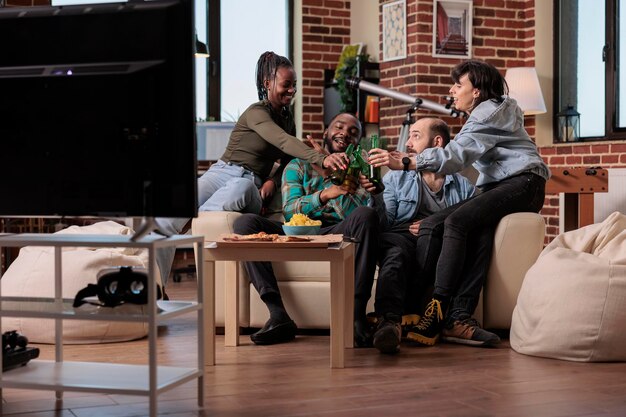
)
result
[(325, 29), (604, 154), (503, 35)]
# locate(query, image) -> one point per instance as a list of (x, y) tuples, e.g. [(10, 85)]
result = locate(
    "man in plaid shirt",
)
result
[(307, 189)]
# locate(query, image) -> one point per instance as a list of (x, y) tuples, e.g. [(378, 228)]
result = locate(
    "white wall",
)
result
[(364, 26), (544, 55), (297, 61)]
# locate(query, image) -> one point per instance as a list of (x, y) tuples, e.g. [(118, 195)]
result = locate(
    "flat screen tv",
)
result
[(97, 110)]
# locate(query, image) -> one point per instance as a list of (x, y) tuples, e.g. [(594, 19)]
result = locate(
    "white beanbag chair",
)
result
[(572, 304), (32, 275)]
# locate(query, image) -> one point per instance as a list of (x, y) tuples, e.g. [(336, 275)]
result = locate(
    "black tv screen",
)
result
[(97, 112)]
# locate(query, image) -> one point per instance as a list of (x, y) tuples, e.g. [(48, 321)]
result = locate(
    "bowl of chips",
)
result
[(301, 224)]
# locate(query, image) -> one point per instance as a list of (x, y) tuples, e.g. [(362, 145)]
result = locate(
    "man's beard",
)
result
[(330, 141)]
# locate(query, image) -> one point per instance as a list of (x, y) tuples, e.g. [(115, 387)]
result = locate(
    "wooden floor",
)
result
[(294, 379)]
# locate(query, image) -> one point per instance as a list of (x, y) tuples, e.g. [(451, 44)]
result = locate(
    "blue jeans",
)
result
[(458, 237), (224, 187)]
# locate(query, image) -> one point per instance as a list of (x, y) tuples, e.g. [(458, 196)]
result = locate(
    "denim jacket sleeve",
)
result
[(494, 140), (472, 142)]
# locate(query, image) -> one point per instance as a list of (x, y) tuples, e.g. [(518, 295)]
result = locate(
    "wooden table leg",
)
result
[(231, 301), (348, 267), (337, 313), (206, 284)]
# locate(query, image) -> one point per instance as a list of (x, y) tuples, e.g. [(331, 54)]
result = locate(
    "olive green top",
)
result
[(261, 137)]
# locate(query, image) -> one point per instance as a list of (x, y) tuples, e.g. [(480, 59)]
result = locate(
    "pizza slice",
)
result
[(254, 237), (294, 239)]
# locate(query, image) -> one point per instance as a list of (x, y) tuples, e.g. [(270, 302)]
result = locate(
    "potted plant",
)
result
[(348, 67)]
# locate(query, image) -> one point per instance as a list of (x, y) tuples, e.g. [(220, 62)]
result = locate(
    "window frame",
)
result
[(214, 43), (612, 132)]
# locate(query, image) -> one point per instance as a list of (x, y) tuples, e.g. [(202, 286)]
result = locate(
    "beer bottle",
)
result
[(339, 175), (374, 172), (351, 178)]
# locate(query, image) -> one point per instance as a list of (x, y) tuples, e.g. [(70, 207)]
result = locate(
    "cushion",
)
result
[(32, 275), (571, 304)]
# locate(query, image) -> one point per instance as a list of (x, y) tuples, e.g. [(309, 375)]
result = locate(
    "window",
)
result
[(239, 31), (200, 15), (590, 50)]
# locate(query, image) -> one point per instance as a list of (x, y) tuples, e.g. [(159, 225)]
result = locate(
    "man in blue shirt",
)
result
[(409, 197), (307, 189)]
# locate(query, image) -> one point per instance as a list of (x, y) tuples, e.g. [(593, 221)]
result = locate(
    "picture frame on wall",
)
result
[(348, 51), (394, 30), (452, 28)]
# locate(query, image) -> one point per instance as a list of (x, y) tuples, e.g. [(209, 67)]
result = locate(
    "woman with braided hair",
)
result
[(264, 134)]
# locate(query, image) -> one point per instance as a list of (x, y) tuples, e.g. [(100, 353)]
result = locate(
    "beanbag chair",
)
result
[(572, 304), (32, 275)]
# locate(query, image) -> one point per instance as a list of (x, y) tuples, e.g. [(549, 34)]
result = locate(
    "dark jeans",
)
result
[(397, 287), (400, 289), (362, 225), (463, 233)]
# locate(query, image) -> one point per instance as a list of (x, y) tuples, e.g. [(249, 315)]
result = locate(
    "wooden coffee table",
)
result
[(327, 248)]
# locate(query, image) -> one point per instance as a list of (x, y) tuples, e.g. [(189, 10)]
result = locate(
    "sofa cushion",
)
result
[(518, 241), (571, 304)]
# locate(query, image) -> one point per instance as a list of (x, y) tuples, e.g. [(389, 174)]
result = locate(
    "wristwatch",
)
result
[(406, 161)]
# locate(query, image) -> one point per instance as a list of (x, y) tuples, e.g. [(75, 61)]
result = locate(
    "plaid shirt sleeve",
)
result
[(301, 189), (297, 197)]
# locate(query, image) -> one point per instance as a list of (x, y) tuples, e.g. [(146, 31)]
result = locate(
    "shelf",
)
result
[(101, 241), (105, 377), (94, 377), (48, 308)]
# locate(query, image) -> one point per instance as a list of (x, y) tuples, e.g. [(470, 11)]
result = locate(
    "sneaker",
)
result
[(426, 332), (388, 333), (469, 332), (408, 321)]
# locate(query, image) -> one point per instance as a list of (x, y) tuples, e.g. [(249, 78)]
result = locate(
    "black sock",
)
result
[(275, 305), (359, 310)]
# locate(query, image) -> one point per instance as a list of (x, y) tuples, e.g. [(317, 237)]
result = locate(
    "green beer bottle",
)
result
[(374, 172), (339, 175)]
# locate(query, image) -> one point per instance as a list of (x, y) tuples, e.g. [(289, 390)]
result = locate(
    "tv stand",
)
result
[(149, 380)]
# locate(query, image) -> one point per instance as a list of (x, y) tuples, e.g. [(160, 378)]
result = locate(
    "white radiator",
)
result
[(615, 199)]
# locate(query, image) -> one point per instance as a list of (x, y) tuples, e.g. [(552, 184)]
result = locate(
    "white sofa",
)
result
[(305, 286)]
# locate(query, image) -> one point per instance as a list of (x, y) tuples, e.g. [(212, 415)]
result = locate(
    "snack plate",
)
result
[(314, 241)]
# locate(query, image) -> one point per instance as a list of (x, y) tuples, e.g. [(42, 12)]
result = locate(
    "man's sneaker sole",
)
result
[(387, 342), (461, 341), (421, 339), (387, 346)]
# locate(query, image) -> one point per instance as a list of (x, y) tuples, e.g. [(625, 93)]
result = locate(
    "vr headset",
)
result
[(117, 286)]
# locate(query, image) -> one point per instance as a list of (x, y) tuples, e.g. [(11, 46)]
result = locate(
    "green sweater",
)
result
[(262, 137)]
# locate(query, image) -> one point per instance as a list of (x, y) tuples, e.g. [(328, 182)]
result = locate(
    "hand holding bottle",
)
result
[(333, 192), (369, 186)]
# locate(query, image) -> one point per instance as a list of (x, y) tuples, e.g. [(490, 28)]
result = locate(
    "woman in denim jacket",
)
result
[(512, 178)]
